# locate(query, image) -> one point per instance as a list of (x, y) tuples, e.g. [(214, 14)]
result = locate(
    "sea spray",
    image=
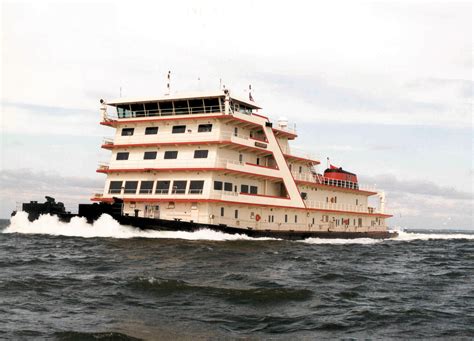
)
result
[(106, 227)]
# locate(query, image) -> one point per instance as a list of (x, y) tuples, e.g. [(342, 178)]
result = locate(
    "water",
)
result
[(78, 282)]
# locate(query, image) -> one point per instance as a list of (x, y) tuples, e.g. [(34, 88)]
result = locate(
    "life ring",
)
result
[(257, 217)]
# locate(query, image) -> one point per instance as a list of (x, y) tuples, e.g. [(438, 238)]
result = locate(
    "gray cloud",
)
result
[(422, 187), (39, 109)]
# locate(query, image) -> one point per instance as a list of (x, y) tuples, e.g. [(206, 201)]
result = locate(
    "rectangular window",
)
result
[(222, 211), (228, 186), (179, 187), (218, 185), (244, 188), (149, 156), (179, 129), (296, 218), (151, 130), (115, 187), (171, 154), (131, 187), (201, 154), (127, 131), (196, 186), (286, 218), (204, 128), (162, 187), (301, 170), (253, 190), (236, 131), (236, 214), (146, 187), (304, 195), (122, 156)]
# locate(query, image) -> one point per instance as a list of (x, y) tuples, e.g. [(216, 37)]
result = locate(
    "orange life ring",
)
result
[(257, 217)]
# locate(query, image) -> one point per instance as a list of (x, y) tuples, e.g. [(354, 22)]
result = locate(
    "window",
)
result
[(313, 221), (201, 154), (236, 214), (122, 156), (179, 187), (181, 107), (171, 154), (162, 187), (304, 195), (357, 202), (166, 108), (236, 131), (296, 219), (241, 158), (258, 161), (253, 190), (286, 218), (196, 106), (149, 156), (222, 211), (244, 188), (131, 187), (212, 105), (115, 187), (218, 185), (204, 128), (300, 169), (228, 186), (196, 186), (151, 130), (127, 131), (146, 187), (179, 129)]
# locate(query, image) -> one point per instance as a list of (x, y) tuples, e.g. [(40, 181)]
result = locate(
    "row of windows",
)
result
[(162, 187), (229, 187), (178, 129), (170, 154)]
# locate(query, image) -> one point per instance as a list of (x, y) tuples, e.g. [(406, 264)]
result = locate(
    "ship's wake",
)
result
[(107, 227)]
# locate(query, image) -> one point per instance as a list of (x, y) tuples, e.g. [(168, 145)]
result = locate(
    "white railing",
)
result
[(170, 111), (339, 207), (188, 136), (319, 179)]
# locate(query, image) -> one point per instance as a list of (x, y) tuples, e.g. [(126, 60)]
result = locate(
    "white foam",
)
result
[(106, 226), (342, 241), (409, 236)]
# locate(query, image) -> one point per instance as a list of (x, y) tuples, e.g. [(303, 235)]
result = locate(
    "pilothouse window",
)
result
[(162, 187), (204, 128), (131, 187), (127, 131)]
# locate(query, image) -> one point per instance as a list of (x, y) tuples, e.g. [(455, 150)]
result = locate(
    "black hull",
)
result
[(149, 224), (94, 211)]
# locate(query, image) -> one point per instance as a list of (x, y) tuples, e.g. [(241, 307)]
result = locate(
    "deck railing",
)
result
[(320, 179), (339, 207)]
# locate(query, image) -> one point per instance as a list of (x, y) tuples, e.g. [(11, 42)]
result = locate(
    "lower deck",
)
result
[(256, 218)]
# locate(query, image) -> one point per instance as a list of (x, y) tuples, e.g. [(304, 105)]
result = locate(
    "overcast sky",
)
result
[(383, 88)]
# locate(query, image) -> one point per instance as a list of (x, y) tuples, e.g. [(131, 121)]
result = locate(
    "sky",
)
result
[(383, 88)]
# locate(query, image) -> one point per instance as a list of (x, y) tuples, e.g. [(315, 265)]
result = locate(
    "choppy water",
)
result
[(77, 282)]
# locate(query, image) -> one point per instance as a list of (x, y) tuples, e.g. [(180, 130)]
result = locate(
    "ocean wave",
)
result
[(272, 295)]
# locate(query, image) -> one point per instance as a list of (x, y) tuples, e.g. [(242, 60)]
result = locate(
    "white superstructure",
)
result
[(212, 158)]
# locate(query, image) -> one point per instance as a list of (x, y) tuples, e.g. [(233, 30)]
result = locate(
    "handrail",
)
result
[(320, 179), (339, 207), (127, 113)]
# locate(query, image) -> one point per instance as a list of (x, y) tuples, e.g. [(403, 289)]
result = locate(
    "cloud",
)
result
[(23, 185), (418, 187)]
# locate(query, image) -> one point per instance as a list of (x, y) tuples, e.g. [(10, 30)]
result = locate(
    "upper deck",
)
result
[(182, 104)]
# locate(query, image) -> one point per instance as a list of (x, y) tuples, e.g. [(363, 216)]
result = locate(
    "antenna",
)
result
[(120, 91), (250, 93), (220, 83), (168, 84)]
